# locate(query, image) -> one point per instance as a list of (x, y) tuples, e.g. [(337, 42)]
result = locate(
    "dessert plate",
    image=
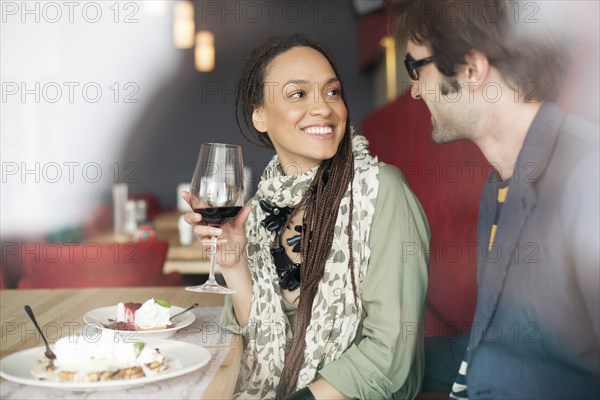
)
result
[(182, 358), (100, 317)]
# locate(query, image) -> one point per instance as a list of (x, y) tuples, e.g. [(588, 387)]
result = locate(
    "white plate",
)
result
[(100, 316), (182, 358)]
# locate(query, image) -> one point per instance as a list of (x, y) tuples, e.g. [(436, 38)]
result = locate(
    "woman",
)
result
[(328, 259)]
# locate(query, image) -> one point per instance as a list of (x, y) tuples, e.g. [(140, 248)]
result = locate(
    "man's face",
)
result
[(452, 111)]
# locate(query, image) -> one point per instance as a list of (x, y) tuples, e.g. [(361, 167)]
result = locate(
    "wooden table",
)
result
[(64, 308), (187, 260)]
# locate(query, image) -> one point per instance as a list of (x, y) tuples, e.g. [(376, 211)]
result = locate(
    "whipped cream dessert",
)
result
[(89, 359), (153, 314)]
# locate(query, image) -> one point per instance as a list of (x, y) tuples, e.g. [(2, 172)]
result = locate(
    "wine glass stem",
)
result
[(211, 276)]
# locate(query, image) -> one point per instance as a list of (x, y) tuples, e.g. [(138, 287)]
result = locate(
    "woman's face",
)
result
[(303, 112)]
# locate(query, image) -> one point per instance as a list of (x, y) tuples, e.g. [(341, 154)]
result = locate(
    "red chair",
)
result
[(100, 221), (78, 265), (12, 264), (3, 282)]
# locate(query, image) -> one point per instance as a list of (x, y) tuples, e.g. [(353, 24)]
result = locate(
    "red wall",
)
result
[(448, 180)]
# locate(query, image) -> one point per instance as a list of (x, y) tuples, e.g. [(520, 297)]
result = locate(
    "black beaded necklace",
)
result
[(275, 221)]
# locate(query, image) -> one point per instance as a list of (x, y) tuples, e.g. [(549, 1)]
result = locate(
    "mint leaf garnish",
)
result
[(139, 346), (163, 303)]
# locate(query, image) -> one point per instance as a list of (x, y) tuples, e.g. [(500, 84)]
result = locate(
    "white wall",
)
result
[(57, 138)]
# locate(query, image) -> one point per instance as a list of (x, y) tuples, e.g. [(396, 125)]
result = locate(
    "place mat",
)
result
[(205, 331)]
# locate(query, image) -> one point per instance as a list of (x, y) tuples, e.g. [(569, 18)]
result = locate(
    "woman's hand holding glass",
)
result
[(229, 252), (217, 194), (231, 237)]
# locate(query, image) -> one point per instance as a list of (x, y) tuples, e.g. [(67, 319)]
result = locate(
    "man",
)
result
[(490, 77)]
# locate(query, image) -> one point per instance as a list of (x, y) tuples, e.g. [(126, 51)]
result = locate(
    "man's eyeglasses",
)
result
[(412, 65)]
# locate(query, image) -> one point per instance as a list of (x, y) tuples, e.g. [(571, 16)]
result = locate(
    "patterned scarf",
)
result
[(334, 316)]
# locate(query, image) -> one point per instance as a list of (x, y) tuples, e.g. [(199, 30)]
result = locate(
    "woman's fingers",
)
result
[(192, 218), (207, 231), (209, 242), (233, 232), (230, 239)]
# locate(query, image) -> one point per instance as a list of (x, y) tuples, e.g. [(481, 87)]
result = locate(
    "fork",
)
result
[(49, 353)]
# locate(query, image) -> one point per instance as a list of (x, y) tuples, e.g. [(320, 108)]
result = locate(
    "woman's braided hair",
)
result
[(321, 201)]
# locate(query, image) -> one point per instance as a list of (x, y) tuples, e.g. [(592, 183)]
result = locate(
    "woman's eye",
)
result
[(296, 95), (333, 92)]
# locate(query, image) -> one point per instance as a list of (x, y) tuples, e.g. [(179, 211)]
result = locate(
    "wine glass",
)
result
[(217, 193)]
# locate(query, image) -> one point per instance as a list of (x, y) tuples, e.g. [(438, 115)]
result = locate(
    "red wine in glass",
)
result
[(217, 193), (218, 215)]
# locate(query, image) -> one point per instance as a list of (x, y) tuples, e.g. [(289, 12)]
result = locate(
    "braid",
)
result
[(351, 237), (245, 93), (322, 205)]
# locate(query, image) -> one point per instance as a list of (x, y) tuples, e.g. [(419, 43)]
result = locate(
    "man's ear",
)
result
[(477, 67), (258, 120)]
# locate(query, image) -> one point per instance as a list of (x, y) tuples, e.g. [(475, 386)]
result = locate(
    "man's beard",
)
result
[(450, 86), (453, 124), (445, 131)]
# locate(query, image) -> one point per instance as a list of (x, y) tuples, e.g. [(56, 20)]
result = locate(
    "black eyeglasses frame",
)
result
[(412, 65)]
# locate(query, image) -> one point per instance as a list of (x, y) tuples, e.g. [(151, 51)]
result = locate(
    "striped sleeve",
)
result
[(459, 388)]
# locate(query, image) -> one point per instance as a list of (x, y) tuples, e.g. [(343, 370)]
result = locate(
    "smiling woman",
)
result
[(304, 116), (309, 255)]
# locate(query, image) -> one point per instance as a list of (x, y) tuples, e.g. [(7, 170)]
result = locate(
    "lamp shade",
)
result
[(183, 25), (204, 53)]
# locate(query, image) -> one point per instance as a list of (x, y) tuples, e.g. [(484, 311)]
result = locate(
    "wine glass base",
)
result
[(210, 287)]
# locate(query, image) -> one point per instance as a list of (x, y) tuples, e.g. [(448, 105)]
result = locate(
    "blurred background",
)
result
[(97, 93)]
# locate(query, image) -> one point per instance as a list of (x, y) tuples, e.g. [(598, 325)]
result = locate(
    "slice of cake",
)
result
[(100, 358), (153, 314)]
